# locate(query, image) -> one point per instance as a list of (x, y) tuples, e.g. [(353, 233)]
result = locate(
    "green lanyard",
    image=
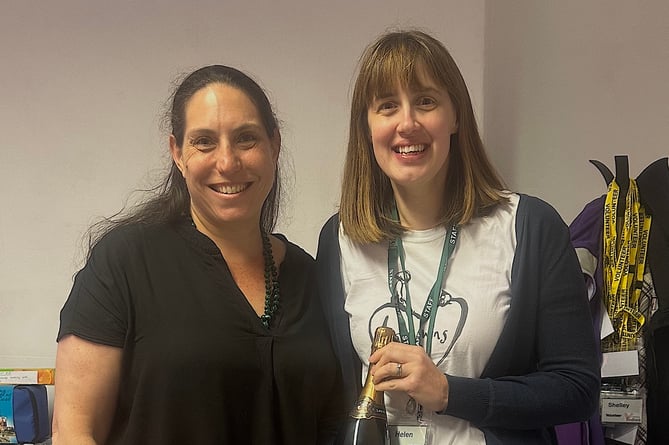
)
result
[(407, 334)]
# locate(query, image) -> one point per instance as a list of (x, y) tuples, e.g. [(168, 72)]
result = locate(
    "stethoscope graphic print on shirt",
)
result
[(421, 328)]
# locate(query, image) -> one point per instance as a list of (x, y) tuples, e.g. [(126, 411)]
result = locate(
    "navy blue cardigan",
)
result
[(544, 370)]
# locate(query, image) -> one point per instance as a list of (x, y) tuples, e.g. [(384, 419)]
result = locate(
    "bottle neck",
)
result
[(370, 404), (370, 392)]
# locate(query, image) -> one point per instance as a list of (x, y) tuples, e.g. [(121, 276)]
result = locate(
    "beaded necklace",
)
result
[(271, 282)]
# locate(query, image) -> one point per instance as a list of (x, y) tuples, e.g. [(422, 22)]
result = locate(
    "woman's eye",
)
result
[(203, 143), (386, 107), (247, 140), (427, 102)]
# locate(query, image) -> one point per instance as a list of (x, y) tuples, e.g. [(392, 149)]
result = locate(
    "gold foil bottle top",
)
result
[(382, 336), (370, 403)]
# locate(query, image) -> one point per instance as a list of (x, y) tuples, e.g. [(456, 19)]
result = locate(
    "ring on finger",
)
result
[(398, 371)]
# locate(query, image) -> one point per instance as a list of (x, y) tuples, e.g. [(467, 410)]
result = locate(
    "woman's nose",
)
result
[(227, 159), (408, 122)]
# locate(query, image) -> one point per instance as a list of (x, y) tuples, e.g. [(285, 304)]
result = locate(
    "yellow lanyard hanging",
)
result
[(624, 262)]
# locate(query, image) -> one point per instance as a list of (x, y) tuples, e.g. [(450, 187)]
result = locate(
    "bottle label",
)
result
[(367, 409)]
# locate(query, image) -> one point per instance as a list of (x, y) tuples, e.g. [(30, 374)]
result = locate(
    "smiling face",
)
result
[(227, 159), (411, 130)]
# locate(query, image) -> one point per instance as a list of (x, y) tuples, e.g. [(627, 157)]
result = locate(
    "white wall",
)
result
[(570, 81), (83, 85)]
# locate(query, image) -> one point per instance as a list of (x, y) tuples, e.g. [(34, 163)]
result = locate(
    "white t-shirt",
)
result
[(477, 281)]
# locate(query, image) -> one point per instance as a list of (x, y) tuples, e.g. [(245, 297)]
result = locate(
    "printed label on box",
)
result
[(41, 376)]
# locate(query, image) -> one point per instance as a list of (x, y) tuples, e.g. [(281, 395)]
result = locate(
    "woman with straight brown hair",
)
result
[(481, 284)]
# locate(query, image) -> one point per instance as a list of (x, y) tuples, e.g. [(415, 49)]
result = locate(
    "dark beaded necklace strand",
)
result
[(271, 282)]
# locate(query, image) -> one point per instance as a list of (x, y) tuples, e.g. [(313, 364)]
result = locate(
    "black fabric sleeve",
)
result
[(97, 306)]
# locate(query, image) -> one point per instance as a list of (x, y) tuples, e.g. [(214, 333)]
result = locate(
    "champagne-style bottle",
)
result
[(367, 423)]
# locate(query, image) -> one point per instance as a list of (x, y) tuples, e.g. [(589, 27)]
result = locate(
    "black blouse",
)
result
[(198, 364)]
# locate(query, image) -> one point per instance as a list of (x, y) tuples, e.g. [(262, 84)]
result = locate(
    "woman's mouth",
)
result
[(409, 149), (230, 189)]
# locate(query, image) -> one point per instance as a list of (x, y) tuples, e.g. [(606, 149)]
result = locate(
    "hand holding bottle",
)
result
[(407, 368)]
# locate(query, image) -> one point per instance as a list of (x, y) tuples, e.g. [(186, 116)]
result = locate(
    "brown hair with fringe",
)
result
[(473, 186)]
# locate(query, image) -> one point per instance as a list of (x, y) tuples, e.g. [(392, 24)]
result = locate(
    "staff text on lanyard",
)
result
[(400, 278)]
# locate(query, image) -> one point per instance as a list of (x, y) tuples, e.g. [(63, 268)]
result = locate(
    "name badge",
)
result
[(408, 434), (622, 410)]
